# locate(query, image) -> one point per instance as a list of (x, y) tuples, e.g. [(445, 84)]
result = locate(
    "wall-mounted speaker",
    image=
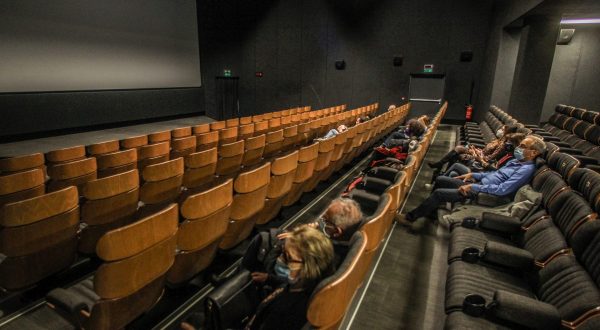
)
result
[(466, 56), (340, 65), (565, 36), (398, 60)]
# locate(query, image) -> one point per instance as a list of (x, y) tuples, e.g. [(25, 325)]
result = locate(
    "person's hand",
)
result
[(465, 177), (283, 235), (464, 190), (259, 277)]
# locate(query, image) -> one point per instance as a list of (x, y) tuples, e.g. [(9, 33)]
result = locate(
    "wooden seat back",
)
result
[(158, 137), (205, 220), (65, 155), (23, 163), (246, 131), (181, 147), (21, 185), (38, 236), (290, 138), (228, 135), (274, 143), (245, 120), (109, 203), (230, 158), (261, 127), (116, 162), (153, 154), (250, 189), (283, 171), (207, 141), (233, 122), (217, 125), (254, 149), (162, 182), (201, 129), (200, 169), (103, 148), (75, 173), (134, 142), (375, 227), (181, 132)]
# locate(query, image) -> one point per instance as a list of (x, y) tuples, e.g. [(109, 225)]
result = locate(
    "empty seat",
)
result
[(587, 182), (207, 141), (250, 189), (159, 137), (336, 155), (254, 149), (200, 169), (21, 185), (131, 279), (116, 162), (274, 143), (261, 127), (245, 120), (102, 148), (217, 125), (290, 138), (134, 142), (228, 135), (246, 131), (65, 155), (38, 237), (162, 182), (108, 203), (201, 129), (230, 158), (181, 132), (233, 122), (153, 154), (307, 159), (181, 147), (75, 173), (323, 160), (205, 220), (283, 171), (375, 225), (23, 163), (274, 124)]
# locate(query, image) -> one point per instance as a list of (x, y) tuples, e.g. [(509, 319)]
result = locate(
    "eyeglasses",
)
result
[(326, 224)]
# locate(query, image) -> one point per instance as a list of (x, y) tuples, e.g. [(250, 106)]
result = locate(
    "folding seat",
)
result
[(245, 120), (325, 152), (283, 172), (38, 237), (228, 135), (273, 144), (348, 148), (261, 127), (591, 117), (587, 182), (65, 155), (181, 132), (274, 124), (108, 203), (254, 149), (205, 220), (116, 162), (200, 169), (307, 159), (250, 189), (305, 117), (75, 173), (267, 116), (233, 122), (562, 163), (246, 131), (593, 135), (217, 125), (336, 156), (153, 154), (102, 148), (332, 296), (286, 121), (130, 280), (258, 118), (134, 142), (158, 137), (374, 225), (230, 158), (410, 169), (161, 184), (304, 134), (275, 114), (296, 119), (201, 129), (577, 113), (182, 147), (285, 113), (581, 129), (22, 163), (205, 141), (290, 138)]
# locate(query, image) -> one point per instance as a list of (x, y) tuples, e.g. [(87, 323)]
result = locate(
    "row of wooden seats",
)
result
[(112, 202), (141, 257), (70, 166), (333, 296)]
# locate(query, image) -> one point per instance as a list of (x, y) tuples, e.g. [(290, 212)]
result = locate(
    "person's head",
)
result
[(415, 128), (530, 148), (341, 219), (424, 119), (506, 129), (308, 254), (391, 107), (362, 119), (342, 128), (512, 140)]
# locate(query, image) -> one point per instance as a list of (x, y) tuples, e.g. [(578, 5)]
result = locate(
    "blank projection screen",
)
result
[(68, 45)]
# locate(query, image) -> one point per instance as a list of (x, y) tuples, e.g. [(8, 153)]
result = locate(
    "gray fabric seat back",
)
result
[(562, 163), (549, 184), (587, 182), (581, 129), (569, 211), (578, 113), (591, 117)]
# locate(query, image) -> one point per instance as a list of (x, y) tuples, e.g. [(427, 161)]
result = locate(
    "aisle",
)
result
[(406, 291)]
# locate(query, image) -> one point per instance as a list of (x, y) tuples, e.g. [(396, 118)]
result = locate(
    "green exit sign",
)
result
[(227, 73), (428, 68)]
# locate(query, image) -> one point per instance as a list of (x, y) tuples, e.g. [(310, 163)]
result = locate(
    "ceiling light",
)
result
[(580, 21)]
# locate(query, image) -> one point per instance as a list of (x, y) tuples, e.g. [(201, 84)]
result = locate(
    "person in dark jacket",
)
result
[(306, 259)]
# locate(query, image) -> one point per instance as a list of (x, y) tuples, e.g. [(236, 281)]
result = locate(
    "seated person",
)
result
[(414, 129), (503, 182), (339, 222), (468, 153), (306, 259), (391, 107), (333, 132), (362, 119), (424, 119), (483, 163)]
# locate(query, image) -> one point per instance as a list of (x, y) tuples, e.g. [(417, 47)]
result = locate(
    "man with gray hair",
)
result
[(341, 219), (503, 182)]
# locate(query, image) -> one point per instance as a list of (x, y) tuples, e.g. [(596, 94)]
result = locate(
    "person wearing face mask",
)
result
[(306, 259), (467, 154), (414, 129), (503, 182)]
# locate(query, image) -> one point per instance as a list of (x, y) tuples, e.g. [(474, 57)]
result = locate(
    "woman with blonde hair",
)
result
[(306, 258)]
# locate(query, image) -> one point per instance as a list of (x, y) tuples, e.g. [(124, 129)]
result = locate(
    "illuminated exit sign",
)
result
[(428, 68)]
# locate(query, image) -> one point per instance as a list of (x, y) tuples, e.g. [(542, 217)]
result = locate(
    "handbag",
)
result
[(232, 304)]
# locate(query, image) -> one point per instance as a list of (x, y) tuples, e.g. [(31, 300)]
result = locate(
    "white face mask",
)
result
[(500, 133)]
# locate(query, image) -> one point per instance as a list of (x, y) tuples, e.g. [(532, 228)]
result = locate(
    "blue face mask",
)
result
[(282, 270), (518, 153)]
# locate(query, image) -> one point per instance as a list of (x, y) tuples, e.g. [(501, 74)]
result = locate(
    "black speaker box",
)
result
[(466, 56), (398, 60), (340, 65)]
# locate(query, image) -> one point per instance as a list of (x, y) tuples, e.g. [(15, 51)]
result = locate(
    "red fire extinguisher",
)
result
[(469, 110)]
